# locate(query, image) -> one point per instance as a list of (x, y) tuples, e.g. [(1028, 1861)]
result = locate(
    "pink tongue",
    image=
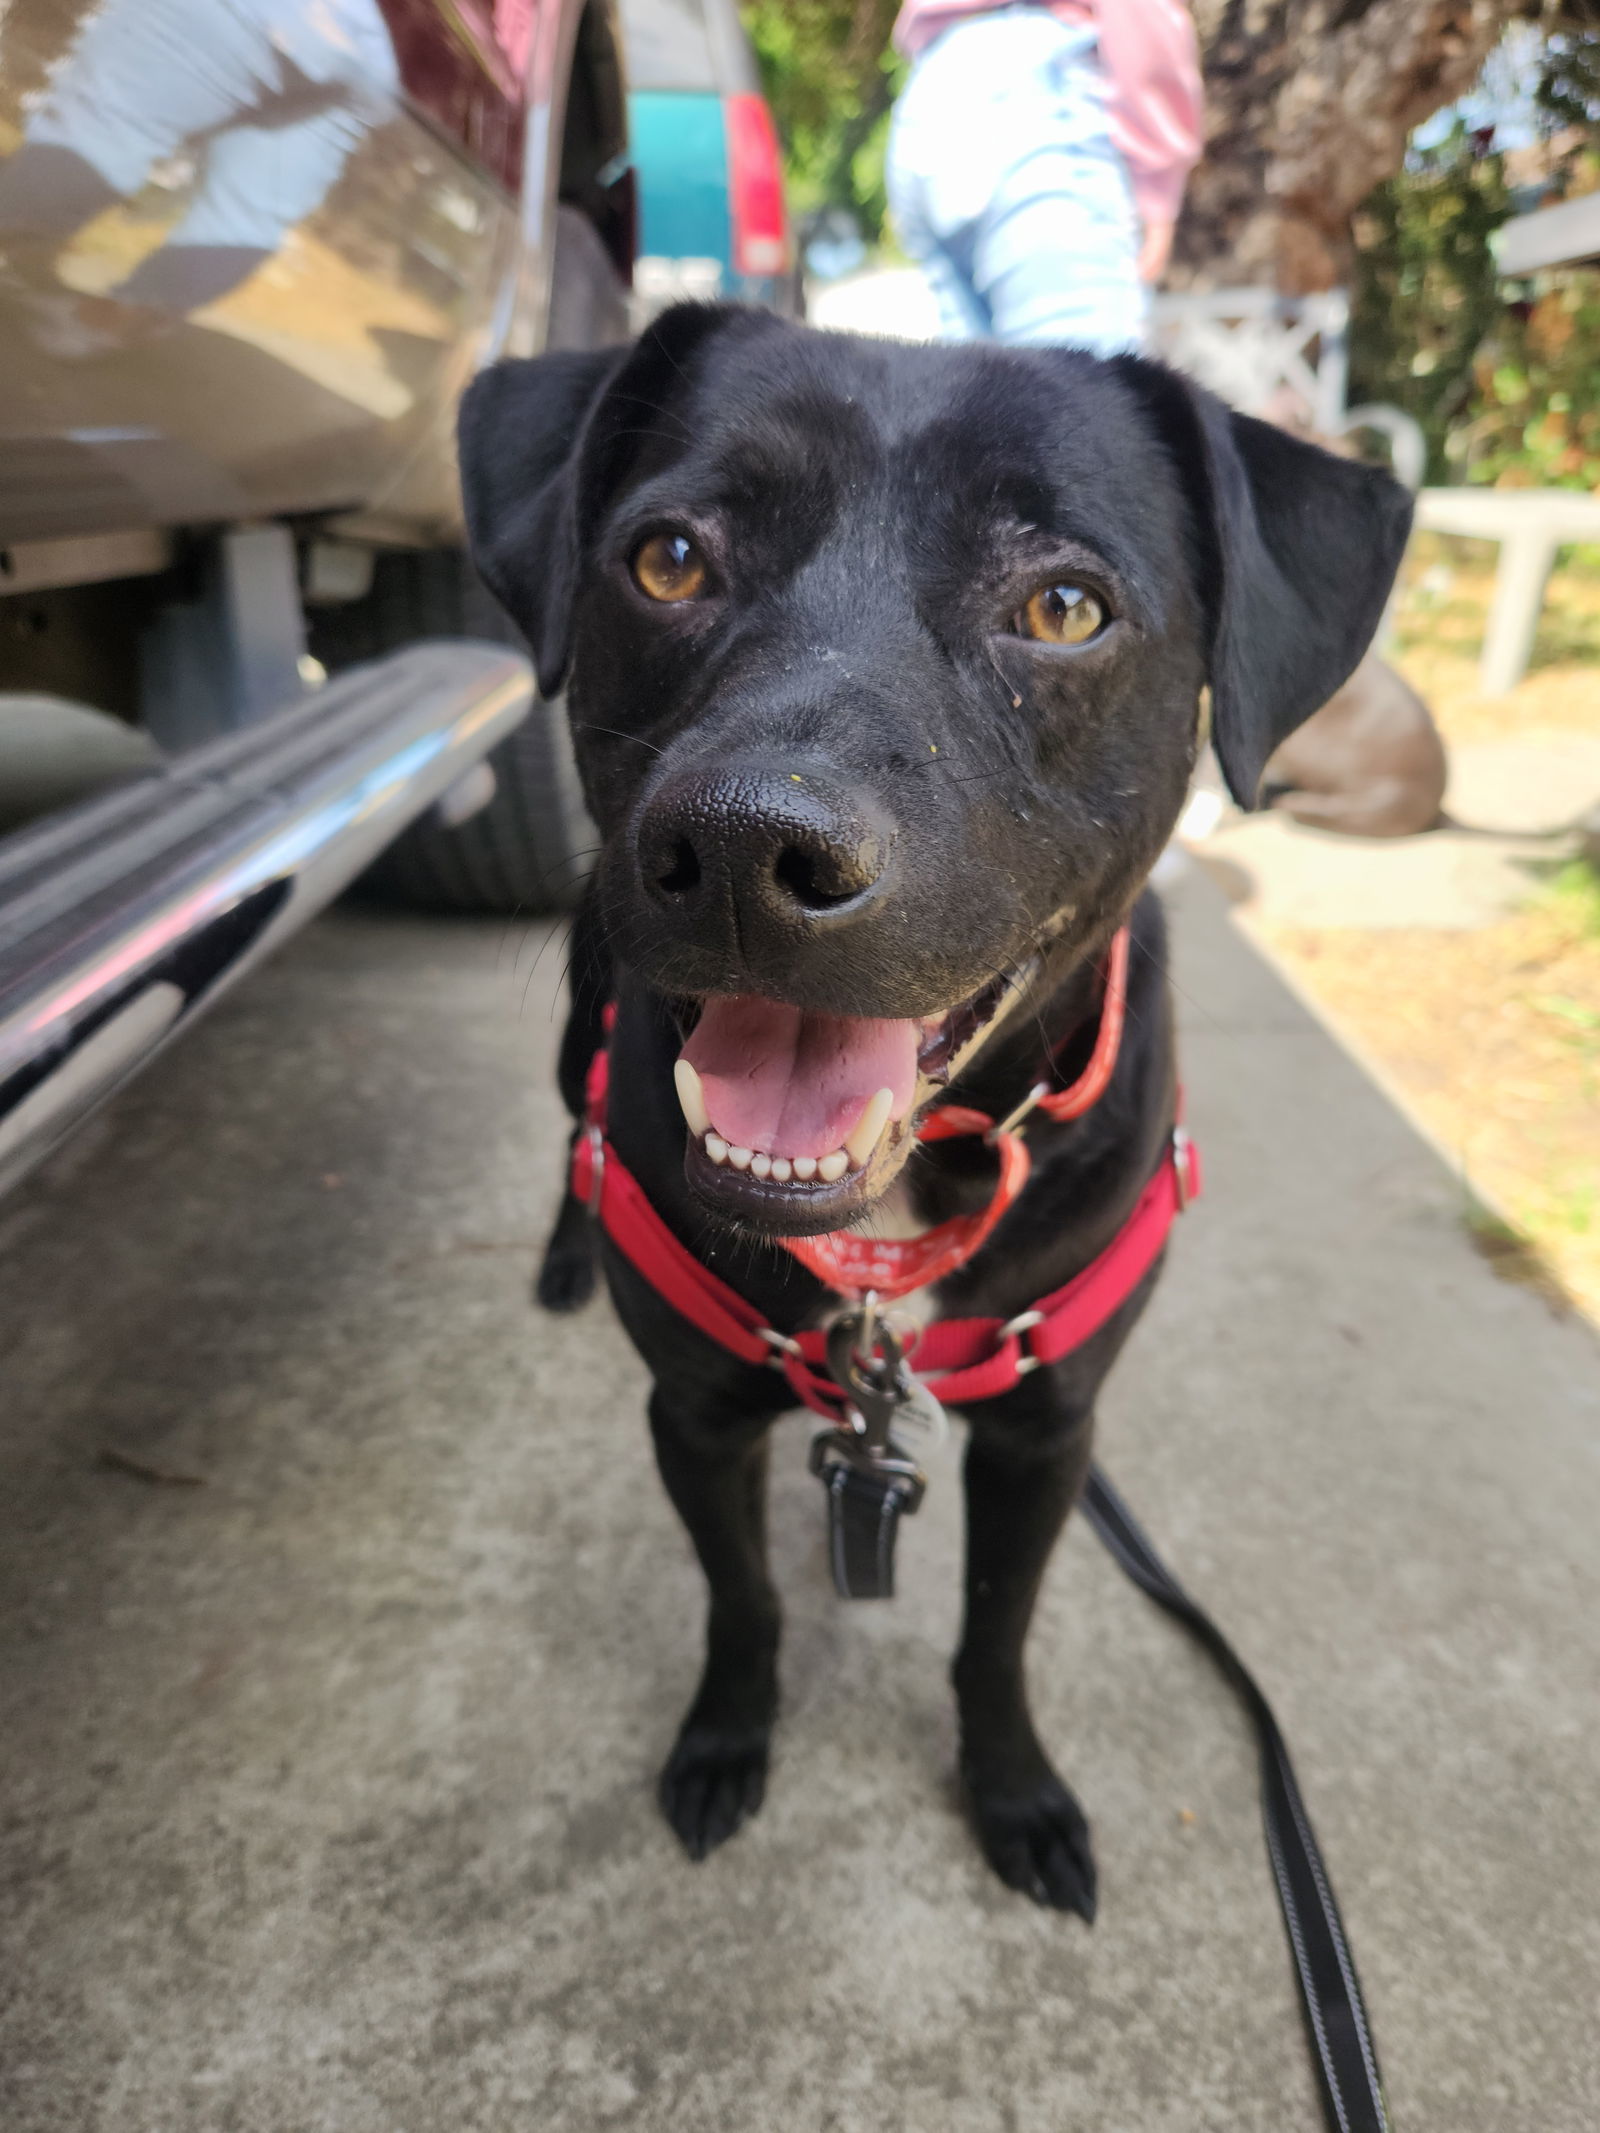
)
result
[(793, 1083)]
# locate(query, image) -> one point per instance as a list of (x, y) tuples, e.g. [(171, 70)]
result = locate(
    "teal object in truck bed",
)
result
[(680, 160), (712, 221)]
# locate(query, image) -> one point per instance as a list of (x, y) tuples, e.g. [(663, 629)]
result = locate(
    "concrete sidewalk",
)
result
[(328, 1781)]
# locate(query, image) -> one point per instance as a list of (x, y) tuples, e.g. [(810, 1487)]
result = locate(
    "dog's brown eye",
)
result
[(669, 567), (1062, 614)]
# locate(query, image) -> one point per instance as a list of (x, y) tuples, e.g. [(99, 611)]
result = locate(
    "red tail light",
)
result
[(755, 186)]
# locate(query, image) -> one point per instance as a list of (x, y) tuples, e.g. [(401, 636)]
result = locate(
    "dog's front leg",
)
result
[(716, 1474), (567, 1271), (1026, 1462)]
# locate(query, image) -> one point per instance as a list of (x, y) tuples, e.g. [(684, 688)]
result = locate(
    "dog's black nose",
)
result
[(788, 846)]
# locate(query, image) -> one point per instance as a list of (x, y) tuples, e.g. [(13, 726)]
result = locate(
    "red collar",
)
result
[(959, 1359)]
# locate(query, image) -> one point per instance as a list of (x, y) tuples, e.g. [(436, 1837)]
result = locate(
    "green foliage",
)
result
[(1568, 88), (831, 78), (1575, 893), (1535, 420), (1503, 377), (1426, 297)]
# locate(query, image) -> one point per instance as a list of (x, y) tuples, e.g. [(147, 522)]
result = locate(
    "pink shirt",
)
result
[(1154, 101)]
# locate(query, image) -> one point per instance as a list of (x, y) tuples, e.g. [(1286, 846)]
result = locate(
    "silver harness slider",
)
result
[(1182, 1166), (595, 1135), (1014, 1118)]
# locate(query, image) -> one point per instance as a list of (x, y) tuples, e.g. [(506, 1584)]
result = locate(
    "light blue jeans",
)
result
[(1007, 189)]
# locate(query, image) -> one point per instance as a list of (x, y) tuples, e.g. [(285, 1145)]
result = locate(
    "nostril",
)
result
[(684, 873), (796, 871), (735, 843)]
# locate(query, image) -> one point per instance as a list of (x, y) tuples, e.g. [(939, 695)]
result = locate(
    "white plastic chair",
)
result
[(1285, 358)]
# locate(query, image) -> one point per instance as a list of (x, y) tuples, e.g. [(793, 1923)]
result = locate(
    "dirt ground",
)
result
[(1444, 598), (1493, 1036)]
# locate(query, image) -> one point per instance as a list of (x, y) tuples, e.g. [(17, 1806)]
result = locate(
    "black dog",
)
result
[(886, 671)]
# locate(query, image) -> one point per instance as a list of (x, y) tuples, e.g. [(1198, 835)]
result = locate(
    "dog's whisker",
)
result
[(553, 934), (1188, 998), (588, 725), (507, 930)]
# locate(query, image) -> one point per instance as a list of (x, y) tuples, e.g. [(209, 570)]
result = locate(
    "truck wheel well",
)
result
[(595, 176)]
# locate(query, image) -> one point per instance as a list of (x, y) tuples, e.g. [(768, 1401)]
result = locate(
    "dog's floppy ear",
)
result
[(542, 442), (1298, 551), (519, 431)]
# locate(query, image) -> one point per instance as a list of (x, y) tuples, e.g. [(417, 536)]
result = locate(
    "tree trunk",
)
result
[(1308, 105)]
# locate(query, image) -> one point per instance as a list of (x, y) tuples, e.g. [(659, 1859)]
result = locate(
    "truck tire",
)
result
[(530, 848)]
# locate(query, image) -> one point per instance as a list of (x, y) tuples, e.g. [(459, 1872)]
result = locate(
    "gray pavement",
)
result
[(1522, 798), (327, 1781)]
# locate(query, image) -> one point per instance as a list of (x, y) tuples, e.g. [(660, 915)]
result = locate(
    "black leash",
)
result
[(1325, 1971), (867, 1496)]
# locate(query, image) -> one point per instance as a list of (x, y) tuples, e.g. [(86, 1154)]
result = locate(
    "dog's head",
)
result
[(886, 669)]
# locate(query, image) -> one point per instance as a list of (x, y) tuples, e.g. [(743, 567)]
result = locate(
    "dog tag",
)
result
[(919, 1415)]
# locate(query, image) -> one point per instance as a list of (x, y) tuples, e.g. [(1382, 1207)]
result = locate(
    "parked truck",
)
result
[(250, 253)]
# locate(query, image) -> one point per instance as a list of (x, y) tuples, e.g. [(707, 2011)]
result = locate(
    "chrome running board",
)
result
[(122, 918)]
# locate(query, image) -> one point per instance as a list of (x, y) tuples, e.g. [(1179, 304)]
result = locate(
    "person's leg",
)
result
[(941, 162), (1054, 258), (1006, 185), (1055, 254), (963, 315)]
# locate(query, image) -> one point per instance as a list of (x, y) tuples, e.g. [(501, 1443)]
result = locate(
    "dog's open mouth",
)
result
[(797, 1118)]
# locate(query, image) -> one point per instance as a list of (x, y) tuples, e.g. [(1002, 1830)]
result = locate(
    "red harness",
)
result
[(958, 1359)]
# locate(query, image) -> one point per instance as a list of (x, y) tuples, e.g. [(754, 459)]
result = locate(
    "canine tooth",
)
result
[(868, 1128), (805, 1166), (740, 1158), (716, 1148), (833, 1167), (692, 1098), (782, 1170), (760, 1165)]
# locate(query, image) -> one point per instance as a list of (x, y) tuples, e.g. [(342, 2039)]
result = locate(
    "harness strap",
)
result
[(1091, 1084), (618, 1201), (959, 1359)]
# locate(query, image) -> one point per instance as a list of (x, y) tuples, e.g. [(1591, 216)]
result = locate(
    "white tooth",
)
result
[(868, 1128), (716, 1148), (692, 1098), (740, 1158), (805, 1166), (833, 1167), (781, 1170), (760, 1166)]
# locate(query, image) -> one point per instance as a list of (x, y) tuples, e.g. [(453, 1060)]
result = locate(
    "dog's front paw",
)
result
[(715, 1780), (1037, 1840)]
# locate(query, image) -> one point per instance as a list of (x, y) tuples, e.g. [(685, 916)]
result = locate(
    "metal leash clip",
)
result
[(869, 1477)]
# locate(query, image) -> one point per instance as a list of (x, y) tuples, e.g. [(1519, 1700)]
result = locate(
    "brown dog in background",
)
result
[(1370, 763)]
